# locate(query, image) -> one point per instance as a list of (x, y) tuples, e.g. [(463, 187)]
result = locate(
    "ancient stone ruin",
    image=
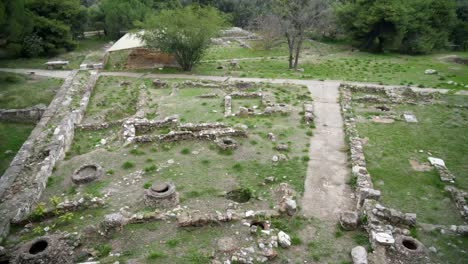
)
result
[(161, 195), (47, 249), (86, 174)]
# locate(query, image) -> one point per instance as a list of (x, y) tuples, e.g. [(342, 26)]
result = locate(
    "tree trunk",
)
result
[(291, 50), (298, 50)]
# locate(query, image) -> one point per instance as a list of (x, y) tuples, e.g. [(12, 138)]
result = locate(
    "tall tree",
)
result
[(15, 24), (414, 27), (374, 25), (122, 15), (430, 23), (184, 32), (52, 21), (297, 17)]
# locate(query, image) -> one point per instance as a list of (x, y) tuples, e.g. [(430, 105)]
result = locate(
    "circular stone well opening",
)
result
[(409, 244), (86, 174), (160, 188), (240, 195), (38, 247)]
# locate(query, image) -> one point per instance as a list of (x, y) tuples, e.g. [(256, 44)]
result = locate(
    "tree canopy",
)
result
[(413, 27), (184, 32)]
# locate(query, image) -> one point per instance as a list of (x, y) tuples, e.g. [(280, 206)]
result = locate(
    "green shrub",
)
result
[(128, 165)]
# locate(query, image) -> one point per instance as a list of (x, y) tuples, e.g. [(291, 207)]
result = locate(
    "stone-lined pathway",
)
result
[(326, 192)]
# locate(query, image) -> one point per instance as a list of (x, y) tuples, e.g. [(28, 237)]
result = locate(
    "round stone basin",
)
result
[(161, 190), (409, 246), (160, 187), (86, 174)]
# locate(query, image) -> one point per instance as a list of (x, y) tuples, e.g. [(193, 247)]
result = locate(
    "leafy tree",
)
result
[(414, 27), (374, 25), (122, 15), (460, 34), (52, 20), (15, 24), (296, 17), (430, 24), (184, 32)]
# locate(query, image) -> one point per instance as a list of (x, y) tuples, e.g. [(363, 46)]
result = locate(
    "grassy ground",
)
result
[(330, 62), (12, 136), (19, 91), (442, 131), (74, 57)]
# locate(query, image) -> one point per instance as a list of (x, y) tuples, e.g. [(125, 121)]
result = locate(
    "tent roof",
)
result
[(128, 41)]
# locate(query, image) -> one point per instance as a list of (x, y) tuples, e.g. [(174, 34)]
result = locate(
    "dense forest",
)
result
[(30, 28)]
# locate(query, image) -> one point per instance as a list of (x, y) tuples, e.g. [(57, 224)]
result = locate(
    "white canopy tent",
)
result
[(128, 41)]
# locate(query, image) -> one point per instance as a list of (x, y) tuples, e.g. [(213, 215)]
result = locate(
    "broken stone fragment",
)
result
[(227, 244), (271, 137), (269, 253), (384, 238), (410, 219), (279, 157), (114, 221), (462, 230), (349, 220), (282, 147), (410, 118), (359, 255), (284, 239), (290, 206), (159, 83)]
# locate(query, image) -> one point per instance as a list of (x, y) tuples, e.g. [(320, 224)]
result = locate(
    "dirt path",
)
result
[(326, 192), (46, 73)]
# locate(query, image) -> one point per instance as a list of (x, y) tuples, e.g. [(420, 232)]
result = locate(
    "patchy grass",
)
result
[(442, 132), (20, 91), (322, 61), (12, 137)]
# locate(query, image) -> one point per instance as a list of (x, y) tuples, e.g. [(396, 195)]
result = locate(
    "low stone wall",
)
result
[(27, 115), (386, 227), (459, 197), (22, 184)]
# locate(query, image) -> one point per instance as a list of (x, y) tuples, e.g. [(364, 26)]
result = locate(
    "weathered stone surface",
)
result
[(284, 239), (226, 143), (410, 118), (87, 173), (409, 248), (22, 184), (459, 197), (282, 147), (161, 195), (384, 238), (114, 221), (359, 255), (309, 115), (367, 193), (159, 83), (394, 216), (462, 230), (47, 249), (349, 220), (29, 115), (227, 106), (227, 244)]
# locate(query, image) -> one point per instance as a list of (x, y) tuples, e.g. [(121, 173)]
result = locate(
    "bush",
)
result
[(184, 32)]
